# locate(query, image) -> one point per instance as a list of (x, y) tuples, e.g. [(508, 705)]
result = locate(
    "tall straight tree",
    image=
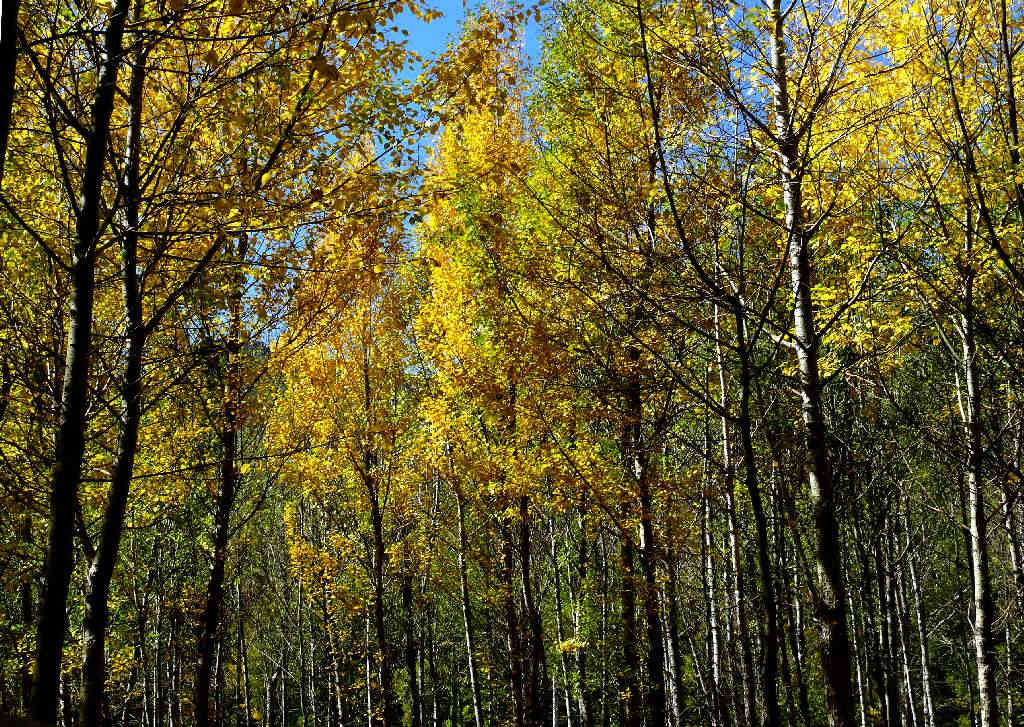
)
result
[(70, 445)]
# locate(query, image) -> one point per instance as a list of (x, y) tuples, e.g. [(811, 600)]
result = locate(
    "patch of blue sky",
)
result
[(430, 39)]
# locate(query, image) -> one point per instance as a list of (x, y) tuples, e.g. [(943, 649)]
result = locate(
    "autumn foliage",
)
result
[(642, 364)]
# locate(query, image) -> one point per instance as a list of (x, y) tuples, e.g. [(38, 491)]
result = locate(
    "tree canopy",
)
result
[(669, 375)]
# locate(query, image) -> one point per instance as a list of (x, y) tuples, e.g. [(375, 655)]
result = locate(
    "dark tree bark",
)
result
[(769, 605), (830, 594), (467, 612), (8, 71), (26, 619), (628, 673), (101, 569), (585, 695), (655, 642), (537, 673), (389, 714), (517, 682), (205, 713), (243, 658), (890, 698), (411, 649), (70, 442), (678, 688)]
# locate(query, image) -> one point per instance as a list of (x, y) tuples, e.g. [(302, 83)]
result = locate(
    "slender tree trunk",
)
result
[(70, 442), (922, 637), (456, 704), (220, 688), (243, 659), (786, 674), (769, 632), (159, 704), (737, 586), (889, 697), (101, 569), (830, 601), (603, 629), (902, 627), (738, 582), (870, 617), (629, 682), (586, 695), (416, 714), (556, 570), (311, 676), (229, 436), (1013, 640), (175, 668), (856, 642), (435, 685), (537, 676), (26, 618), (284, 683), (678, 691), (300, 636), (371, 718), (1009, 88), (467, 613), (983, 609), (795, 632), (638, 465), (514, 639), (334, 668), (719, 703), (389, 709)]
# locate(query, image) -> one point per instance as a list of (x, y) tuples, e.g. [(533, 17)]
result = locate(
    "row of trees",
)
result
[(677, 384)]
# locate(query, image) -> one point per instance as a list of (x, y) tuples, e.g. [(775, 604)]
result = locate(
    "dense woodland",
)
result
[(670, 375)]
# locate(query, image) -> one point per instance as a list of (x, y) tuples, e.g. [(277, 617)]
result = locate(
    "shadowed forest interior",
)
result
[(623, 363)]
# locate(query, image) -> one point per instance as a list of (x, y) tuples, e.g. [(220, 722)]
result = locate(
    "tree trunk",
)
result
[(26, 619), (8, 68), (467, 613), (230, 428), (902, 628), (769, 625), (515, 646), (983, 609), (720, 713), (678, 690), (890, 702), (205, 713), (830, 601), (637, 465), (856, 642), (738, 585), (101, 569), (389, 712), (416, 714), (243, 660), (795, 632), (70, 442), (300, 636), (629, 682), (556, 570), (586, 696), (537, 673)]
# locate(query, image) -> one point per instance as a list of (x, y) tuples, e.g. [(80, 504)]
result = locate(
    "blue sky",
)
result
[(428, 39)]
